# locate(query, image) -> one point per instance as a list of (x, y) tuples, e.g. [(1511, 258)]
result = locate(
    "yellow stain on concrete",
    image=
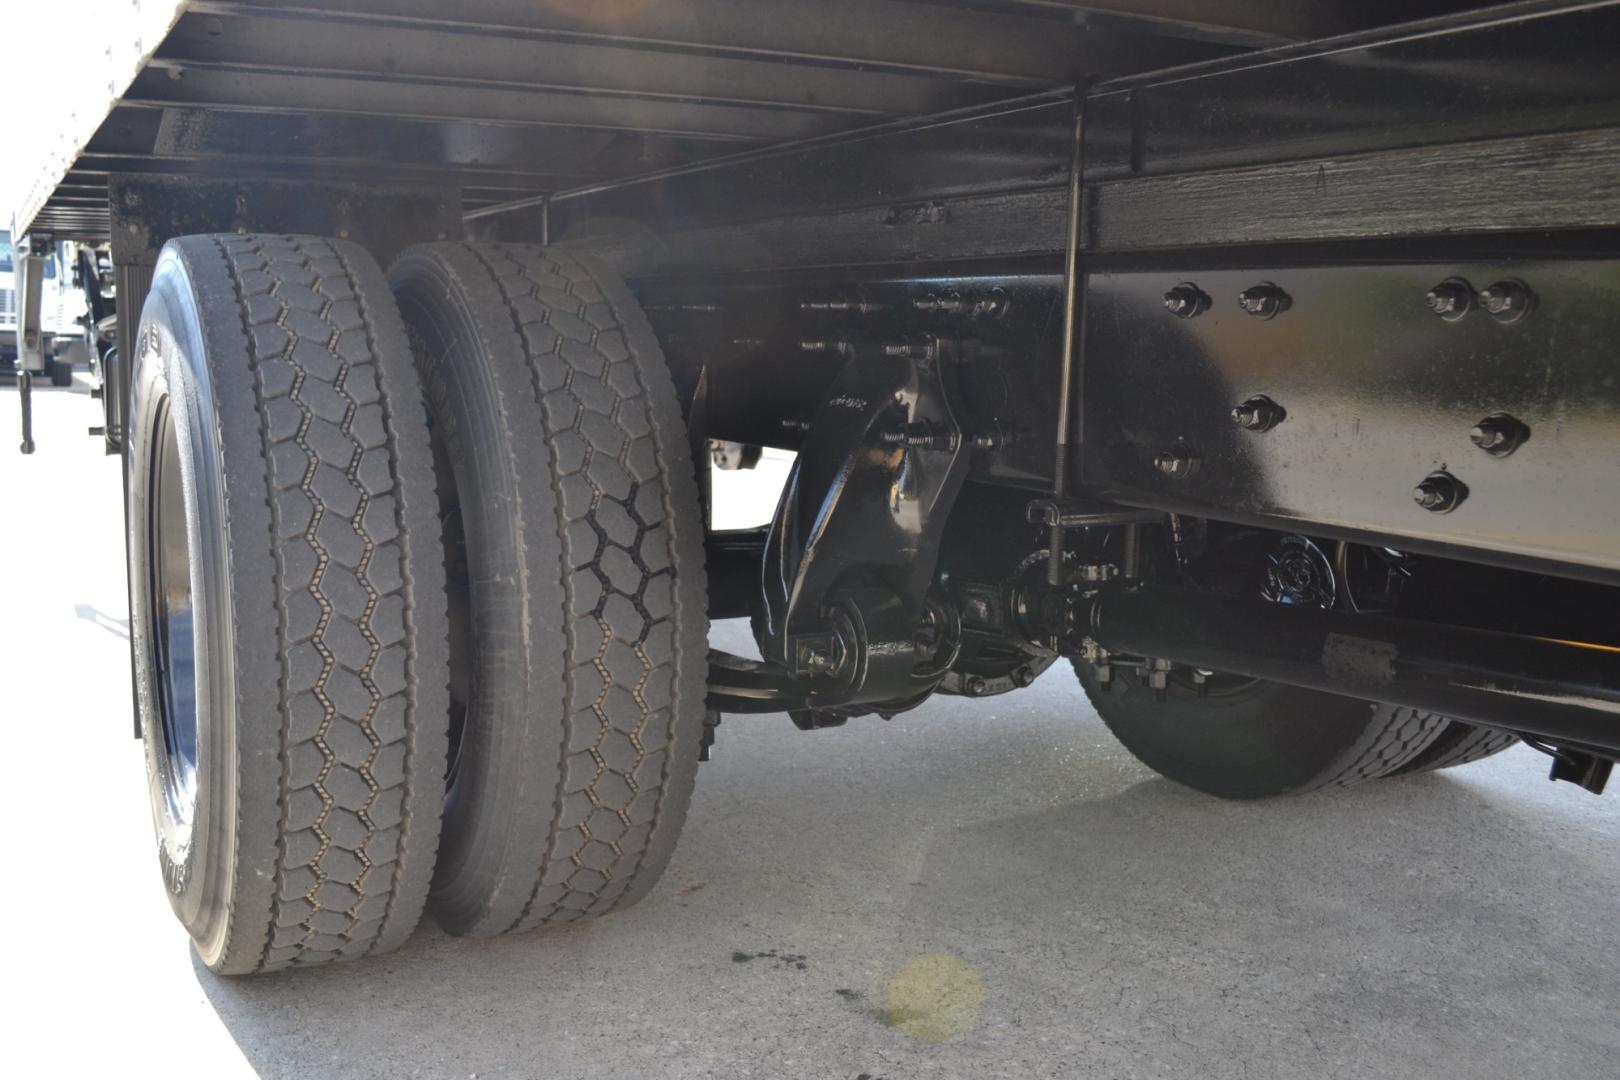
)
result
[(935, 997)]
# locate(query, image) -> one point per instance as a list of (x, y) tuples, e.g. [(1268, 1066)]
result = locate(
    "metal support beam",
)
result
[(848, 616), (1068, 347), (132, 281), (1563, 691), (31, 251), (1291, 422), (1384, 135), (860, 522), (149, 211)]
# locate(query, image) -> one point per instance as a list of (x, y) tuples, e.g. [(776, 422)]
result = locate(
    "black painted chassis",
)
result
[(1296, 324)]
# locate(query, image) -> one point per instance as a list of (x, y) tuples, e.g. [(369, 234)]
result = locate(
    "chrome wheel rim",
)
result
[(173, 628)]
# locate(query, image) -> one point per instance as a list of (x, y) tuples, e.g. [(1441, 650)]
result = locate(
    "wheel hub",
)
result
[(173, 626)]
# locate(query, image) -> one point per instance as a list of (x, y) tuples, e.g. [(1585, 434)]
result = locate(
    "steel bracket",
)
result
[(850, 556)]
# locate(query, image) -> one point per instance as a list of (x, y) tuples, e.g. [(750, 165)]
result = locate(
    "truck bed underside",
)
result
[(506, 99)]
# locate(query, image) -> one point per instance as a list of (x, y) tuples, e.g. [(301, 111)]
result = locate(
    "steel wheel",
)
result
[(174, 655)]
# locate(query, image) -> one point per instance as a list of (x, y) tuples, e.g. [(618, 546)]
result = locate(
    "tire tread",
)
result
[(1392, 737), (1404, 734), (633, 629), (348, 877), (1459, 744)]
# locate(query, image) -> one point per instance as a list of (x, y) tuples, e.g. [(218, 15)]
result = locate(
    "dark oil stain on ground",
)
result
[(797, 961)]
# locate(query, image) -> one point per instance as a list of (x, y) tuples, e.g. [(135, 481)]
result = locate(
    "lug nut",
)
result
[(1451, 299), (1507, 301), (1264, 301), (1158, 676), (1023, 676), (1440, 493), (1186, 301), (973, 685), (1259, 413), (1499, 434), (1179, 462), (991, 305)]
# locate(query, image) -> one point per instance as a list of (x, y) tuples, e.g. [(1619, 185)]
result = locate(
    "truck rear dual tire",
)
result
[(1459, 744), (1251, 739), (293, 632), (569, 496), (289, 614)]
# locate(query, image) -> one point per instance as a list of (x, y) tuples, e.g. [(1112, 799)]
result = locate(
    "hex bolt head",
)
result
[(1440, 492), (974, 685), (1451, 299), (1259, 413), (1023, 676), (1499, 434), (1264, 301), (992, 305), (1186, 301), (1507, 301), (1179, 462)]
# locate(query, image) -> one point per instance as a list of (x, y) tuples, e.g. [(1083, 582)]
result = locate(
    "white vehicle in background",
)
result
[(62, 313)]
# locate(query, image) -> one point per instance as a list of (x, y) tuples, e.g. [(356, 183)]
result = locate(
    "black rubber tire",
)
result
[(1459, 744), (1258, 739), (317, 578), (61, 374), (570, 474)]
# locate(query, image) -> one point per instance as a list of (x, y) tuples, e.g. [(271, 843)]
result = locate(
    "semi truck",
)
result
[(1252, 364)]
